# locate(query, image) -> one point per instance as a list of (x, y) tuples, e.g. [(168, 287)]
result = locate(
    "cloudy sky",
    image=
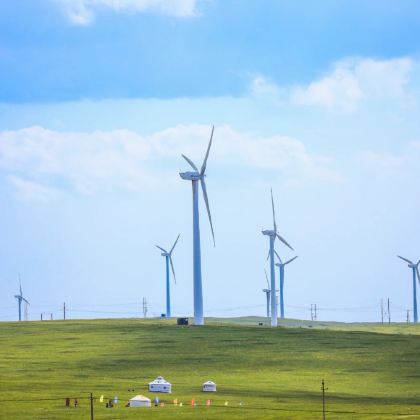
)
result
[(98, 99)]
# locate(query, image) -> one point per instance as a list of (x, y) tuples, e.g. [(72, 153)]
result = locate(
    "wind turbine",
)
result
[(20, 298), (267, 295), (273, 234), (281, 269), (168, 258), (415, 268), (194, 177)]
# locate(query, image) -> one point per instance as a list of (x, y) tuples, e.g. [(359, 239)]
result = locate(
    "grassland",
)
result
[(371, 371)]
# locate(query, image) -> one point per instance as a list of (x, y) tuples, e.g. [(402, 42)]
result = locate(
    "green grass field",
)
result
[(371, 371)]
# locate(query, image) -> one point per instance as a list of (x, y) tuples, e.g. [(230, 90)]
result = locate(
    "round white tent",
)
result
[(160, 385), (209, 386), (140, 401)]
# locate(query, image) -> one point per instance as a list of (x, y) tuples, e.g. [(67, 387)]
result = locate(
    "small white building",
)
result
[(160, 385), (140, 401), (209, 386)]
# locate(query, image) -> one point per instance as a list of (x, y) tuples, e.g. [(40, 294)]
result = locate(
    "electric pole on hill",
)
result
[(64, 311), (323, 389), (408, 316), (313, 312), (144, 307), (389, 314), (382, 311)]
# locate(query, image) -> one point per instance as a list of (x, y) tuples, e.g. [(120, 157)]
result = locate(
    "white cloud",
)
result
[(31, 190), (355, 80), (82, 12), (261, 86), (407, 160), (41, 160)]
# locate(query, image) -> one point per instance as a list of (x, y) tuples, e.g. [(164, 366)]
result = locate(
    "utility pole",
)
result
[(389, 314), (323, 389), (313, 312), (382, 311), (41, 316), (144, 307), (51, 316), (91, 406), (64, 311), (408, 316)]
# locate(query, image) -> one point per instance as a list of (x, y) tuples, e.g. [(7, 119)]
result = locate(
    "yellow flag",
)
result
[(226, 403), (101, 399), (180, 404)]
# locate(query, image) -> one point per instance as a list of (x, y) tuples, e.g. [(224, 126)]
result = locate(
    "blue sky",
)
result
[(98, 98)]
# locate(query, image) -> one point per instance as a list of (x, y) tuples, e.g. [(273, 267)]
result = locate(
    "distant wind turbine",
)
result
[(273, 234), (168, 258), (281, 265), (194, 177), (415, 268), (267, 294), (20, 298)]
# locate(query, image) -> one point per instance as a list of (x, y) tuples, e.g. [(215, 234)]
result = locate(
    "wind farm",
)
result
[(156, 157)]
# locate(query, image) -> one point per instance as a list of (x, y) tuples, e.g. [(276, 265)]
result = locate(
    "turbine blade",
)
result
[(418, 274), (405, 259), (266, 277), (172, 267), (203, 166), (292, 259), (190, 162), (278, 256), (157, 246), (206, 200), (268, 255), (173, 246), (25, 300), (284, 241), (274, 212)]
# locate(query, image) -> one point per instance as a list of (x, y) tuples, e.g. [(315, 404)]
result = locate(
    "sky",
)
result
[(317, 100)]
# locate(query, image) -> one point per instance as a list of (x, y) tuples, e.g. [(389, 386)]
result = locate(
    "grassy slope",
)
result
[(273, 372)]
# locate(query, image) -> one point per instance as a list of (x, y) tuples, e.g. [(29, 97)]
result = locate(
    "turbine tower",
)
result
[(20, 298), (267, 294), (281, 265), (273, 234), (415, 268), (194, 177), (168, 258)]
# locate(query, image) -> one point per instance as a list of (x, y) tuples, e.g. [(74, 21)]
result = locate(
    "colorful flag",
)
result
[(101, 399), (208, 402), (193, 402), (180, 404), (226, 403), (175, 401)]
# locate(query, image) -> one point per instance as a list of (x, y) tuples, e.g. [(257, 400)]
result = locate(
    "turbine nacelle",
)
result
[(268, 232), (191, 176)]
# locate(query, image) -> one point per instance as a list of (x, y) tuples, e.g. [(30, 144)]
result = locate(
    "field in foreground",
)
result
[(262, 373)]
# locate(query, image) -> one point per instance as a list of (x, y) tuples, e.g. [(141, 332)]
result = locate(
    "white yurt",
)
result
[(209, 386), (140, 401), (160, 385)]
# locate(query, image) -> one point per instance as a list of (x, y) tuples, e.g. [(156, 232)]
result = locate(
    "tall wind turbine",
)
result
[(273, 234), (20, 298), (415, 268), (168, 258), (194, 177), (267, 294), (281, 265)]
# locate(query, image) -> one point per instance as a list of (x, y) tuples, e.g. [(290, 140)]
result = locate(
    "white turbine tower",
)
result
[(273, 234), (194, 177)]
